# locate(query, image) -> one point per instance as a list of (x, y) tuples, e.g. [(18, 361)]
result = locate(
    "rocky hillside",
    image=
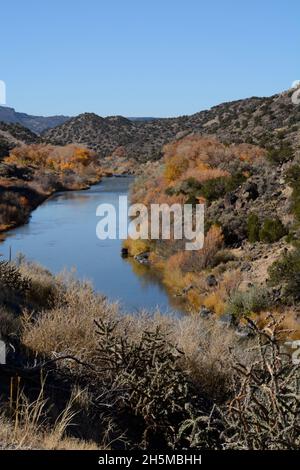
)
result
[(268, 122), (12, 135), (36, 124), (250, 262)]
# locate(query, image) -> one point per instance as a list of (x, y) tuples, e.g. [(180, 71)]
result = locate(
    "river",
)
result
[(61, 235)]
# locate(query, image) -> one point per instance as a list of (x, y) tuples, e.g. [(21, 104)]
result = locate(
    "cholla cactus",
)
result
[(265, 411), (149, 386), (12, 284)]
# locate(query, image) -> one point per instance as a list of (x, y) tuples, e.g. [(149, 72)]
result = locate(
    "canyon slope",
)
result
[(268, 122)]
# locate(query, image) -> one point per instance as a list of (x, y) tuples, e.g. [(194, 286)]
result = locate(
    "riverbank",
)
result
[(248, 265), (62, 235), (33, 173), (26, 199)]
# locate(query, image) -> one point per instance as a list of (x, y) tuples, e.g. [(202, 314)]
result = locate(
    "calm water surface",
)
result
[(62, 234)]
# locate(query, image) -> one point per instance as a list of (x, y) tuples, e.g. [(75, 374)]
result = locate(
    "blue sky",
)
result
[(146, 57)]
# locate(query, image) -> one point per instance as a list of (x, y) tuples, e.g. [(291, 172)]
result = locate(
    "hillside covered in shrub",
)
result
[(248, 266), (270, 122)]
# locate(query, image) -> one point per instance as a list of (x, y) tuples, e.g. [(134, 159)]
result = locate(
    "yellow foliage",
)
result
[(174, 280), (136, 247), (198, 260), (81, 156), (52, 157), (176, 261), (199, 159), (175, 167), (195, 300), (157, 261), (215, 302)]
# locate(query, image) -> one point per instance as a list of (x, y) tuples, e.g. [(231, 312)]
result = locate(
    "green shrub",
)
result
[(191, 188), (223, 257), (269, 232), (272, 230), (211, 189), (218, 187), (253, 228), (286, 271), (280, 155), (13, 286), (170, 191), (253, 300), (234, 181), (293, 179), (10, 324)]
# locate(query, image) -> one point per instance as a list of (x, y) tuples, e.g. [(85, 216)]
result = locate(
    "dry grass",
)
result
[(26, 437), (209, 351), (208, 354), (68, 328), (25, 425)]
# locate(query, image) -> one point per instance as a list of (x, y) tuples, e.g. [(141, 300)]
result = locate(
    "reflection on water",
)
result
[(150, 277), (62, 234)]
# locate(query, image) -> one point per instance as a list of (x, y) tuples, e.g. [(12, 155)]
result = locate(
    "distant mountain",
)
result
[(142, 118), (269, 121), (36, 124)]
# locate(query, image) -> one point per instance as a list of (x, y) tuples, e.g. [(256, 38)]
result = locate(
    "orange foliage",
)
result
[(176, 261), (51, 157), (215, 302), (196, 261), (195, 300), (247, 152), (195, 148), (203, 159), (213, 242), (199, 157), (193, 158), (205, 174), (175, 167)]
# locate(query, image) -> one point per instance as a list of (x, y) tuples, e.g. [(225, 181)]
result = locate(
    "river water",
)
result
[(62, 234)]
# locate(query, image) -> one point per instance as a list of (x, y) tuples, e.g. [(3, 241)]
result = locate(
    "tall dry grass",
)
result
[(113, 393), (24, 425)]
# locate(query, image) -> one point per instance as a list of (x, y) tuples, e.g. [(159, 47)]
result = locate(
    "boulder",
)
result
[(230, 199), (205, 312), (243, 331), (211, 281), (227, 319), (143, 258), (124, 252), (250, 191)]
